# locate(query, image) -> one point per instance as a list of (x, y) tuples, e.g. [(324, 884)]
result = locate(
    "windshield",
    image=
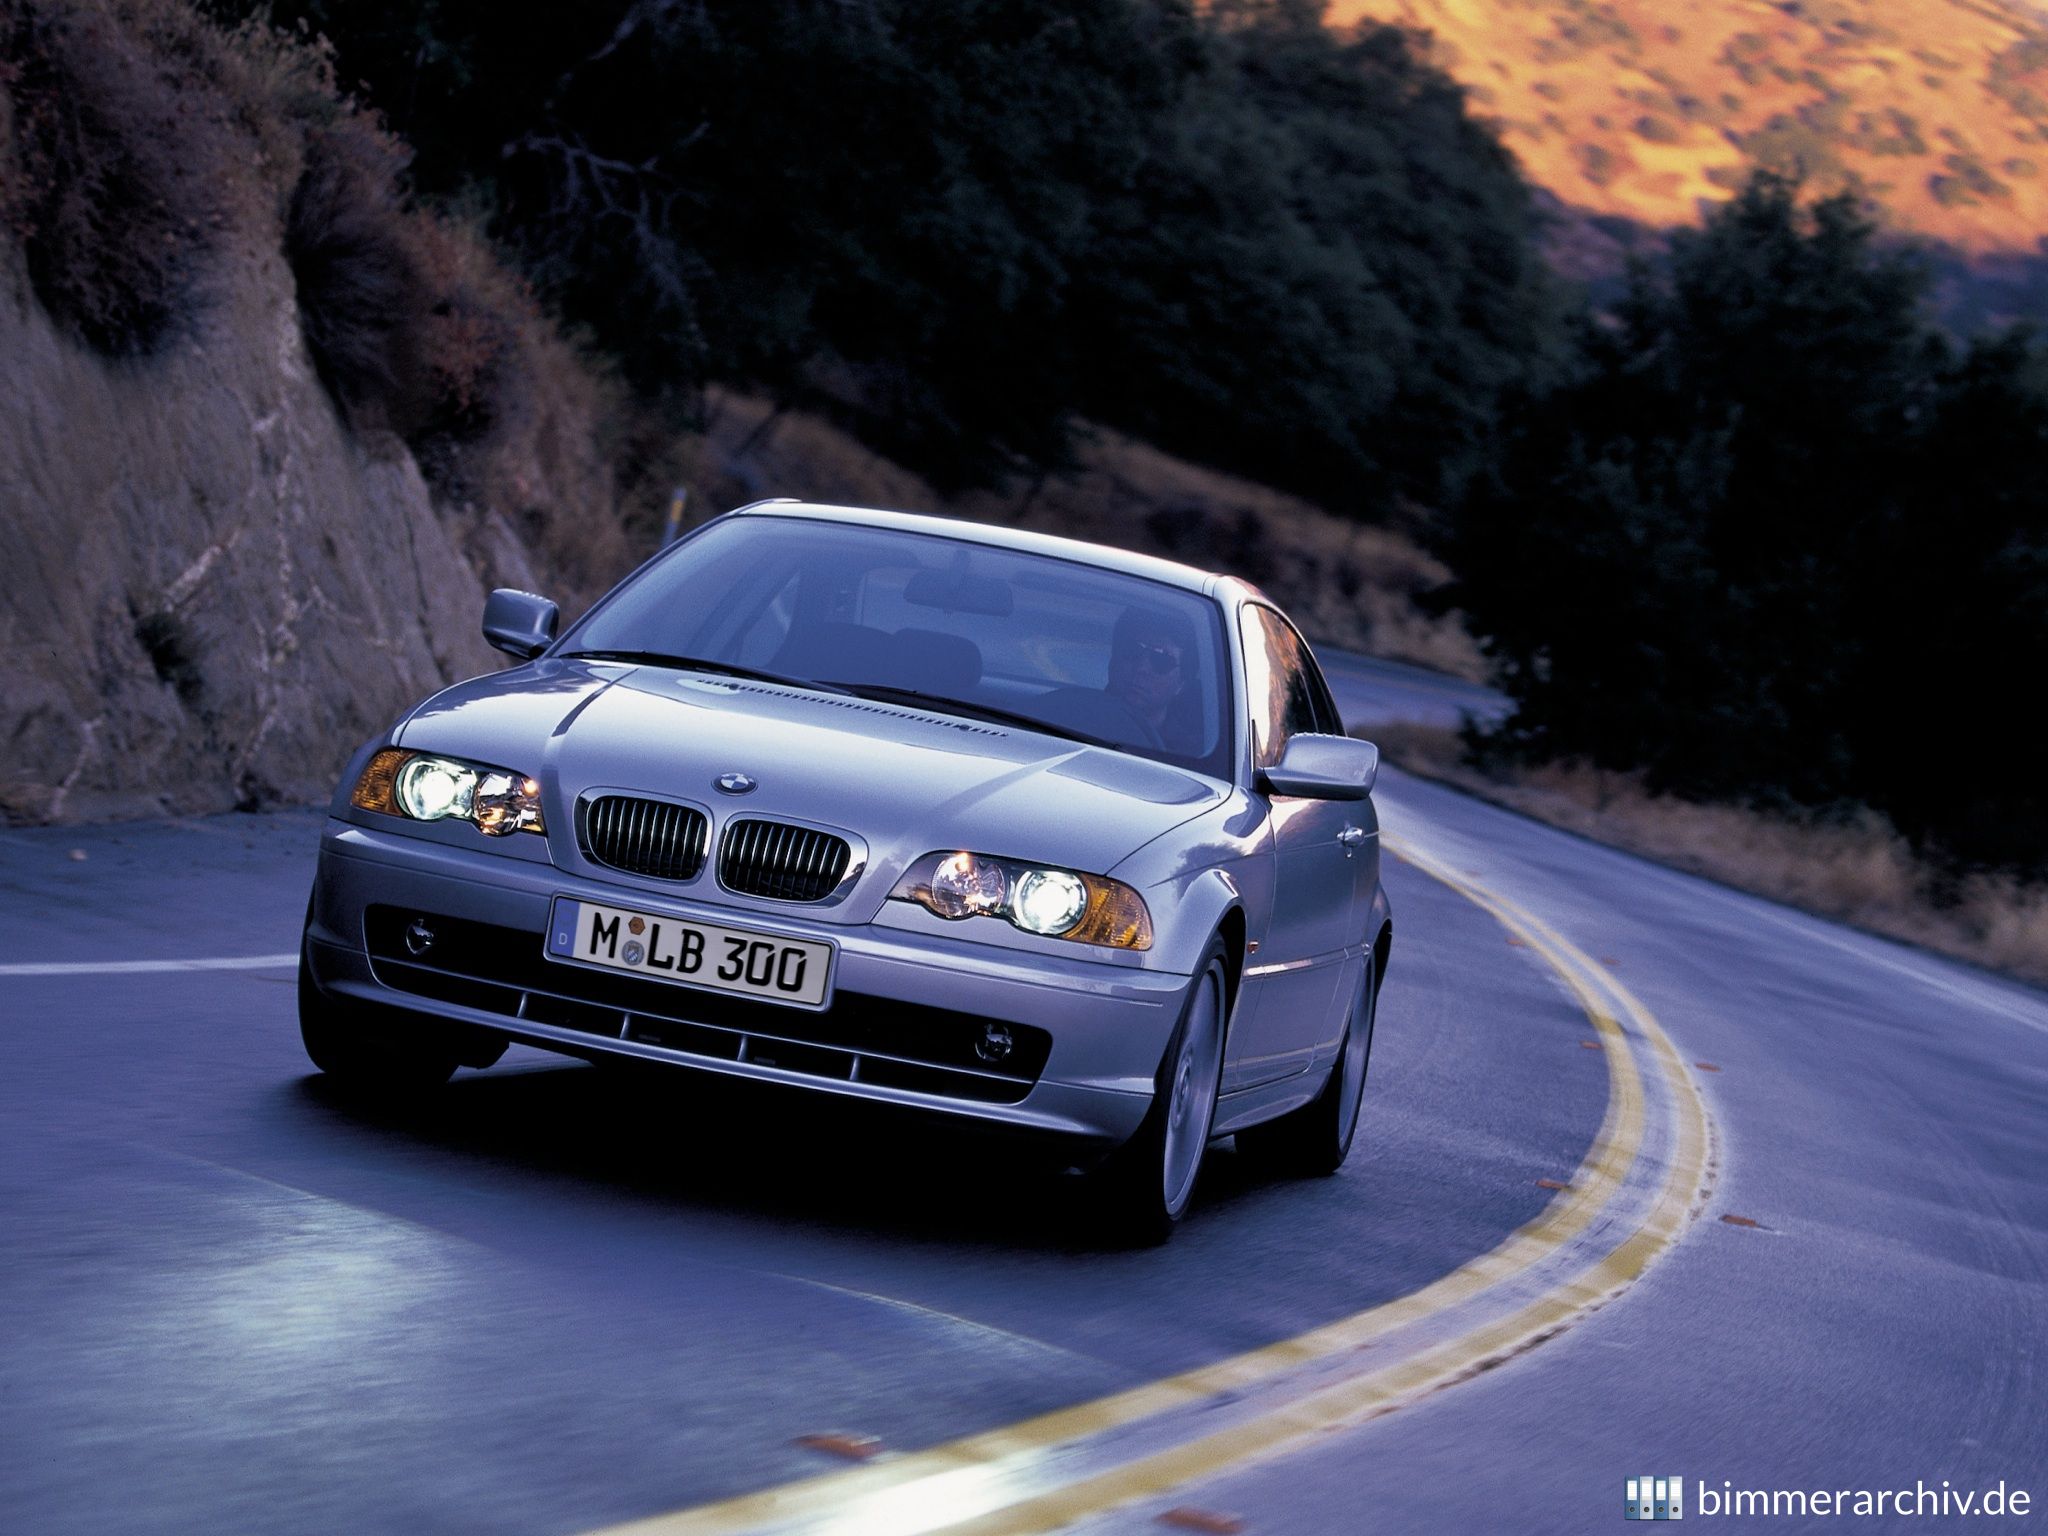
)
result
[(937, 624)]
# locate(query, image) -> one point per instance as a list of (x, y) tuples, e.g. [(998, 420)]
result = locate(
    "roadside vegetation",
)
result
[(141, 142), (1849, 864), (1779, 543), (961, 227)]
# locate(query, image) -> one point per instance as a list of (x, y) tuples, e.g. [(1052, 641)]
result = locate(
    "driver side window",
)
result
[(1279, 683)]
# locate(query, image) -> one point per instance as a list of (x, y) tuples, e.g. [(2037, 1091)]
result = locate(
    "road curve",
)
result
[(562, 1302)]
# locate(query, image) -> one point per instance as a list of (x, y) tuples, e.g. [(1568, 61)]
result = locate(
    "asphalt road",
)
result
[(232, 1301)]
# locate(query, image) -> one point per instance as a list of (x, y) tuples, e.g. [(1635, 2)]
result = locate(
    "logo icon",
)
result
[(736, 783), (1655, 1498)]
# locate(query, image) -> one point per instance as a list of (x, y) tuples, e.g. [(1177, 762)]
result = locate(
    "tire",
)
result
[(1145, 1187), (340, 1044), (1314, 1140)]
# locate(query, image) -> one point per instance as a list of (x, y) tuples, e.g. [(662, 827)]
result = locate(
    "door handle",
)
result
[(1351, 837)]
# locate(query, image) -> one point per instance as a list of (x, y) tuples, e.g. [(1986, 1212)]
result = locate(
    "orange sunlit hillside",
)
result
[(1643, 108)]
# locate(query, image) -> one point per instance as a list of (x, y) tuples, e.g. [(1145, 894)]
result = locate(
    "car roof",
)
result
[(1170, 572)]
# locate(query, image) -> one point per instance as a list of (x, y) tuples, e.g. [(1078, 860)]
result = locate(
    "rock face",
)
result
[(211, 590)]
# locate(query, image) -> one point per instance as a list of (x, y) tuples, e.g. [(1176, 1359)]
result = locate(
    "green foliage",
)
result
[(1967, 172), (1775, 541), (1599, 164), (1581, 26), (956, 223), (2019, 75), (1323, 277), (1792, 147)]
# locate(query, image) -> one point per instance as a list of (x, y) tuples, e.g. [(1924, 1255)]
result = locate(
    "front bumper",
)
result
[(892, 1034)]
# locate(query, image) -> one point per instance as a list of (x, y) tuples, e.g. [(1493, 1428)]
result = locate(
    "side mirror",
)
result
[(519, 623), (1323, 768)]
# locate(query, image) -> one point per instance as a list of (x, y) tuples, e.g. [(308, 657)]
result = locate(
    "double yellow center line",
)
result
[(1044, 1473)]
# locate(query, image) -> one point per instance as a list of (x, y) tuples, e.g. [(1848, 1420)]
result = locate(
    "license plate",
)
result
[(691, 954)]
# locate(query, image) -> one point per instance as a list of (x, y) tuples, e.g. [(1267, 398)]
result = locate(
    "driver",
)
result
[(1147, 659)]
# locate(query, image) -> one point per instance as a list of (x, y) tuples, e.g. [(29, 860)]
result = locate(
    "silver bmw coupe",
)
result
[(895, 808)]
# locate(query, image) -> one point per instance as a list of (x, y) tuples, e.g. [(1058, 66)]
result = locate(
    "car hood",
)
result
[(903, 780)]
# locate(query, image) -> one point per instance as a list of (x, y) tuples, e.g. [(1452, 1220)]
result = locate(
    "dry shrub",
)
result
[(1854, 866), (121, 166), (362, 299), (1347, 584), (472, 336), (412, 324), (521, 421), (2009, 922), (417, 327)]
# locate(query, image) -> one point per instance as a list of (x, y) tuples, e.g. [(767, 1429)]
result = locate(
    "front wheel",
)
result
[(1148, 1182), (1314, 1140), (340, 1045)]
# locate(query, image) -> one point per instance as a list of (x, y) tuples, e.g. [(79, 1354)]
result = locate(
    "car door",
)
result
[(1359, 835), (1291, 983)]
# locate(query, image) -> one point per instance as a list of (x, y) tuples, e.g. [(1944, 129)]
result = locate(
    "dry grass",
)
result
[(1347, 584), (1648, 108), (1858, 871)]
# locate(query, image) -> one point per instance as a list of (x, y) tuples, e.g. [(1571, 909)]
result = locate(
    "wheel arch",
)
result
[(1231, 928)]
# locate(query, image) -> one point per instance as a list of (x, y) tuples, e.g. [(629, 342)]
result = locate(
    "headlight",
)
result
[(966, 886), (1058, 903), (431, 788), (1048, 900), (423, 787)]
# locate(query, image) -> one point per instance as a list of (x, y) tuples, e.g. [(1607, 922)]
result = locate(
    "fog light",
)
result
[(995, 1043), (419, 936)]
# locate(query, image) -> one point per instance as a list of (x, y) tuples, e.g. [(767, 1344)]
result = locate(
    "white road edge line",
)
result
[(146, 967)]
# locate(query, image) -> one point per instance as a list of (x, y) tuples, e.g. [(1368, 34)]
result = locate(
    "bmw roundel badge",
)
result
[(736, 783)]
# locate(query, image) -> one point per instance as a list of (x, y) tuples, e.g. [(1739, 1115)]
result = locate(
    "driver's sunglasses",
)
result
[(1162, 659)]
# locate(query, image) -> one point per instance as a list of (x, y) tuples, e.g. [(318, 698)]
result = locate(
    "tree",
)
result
[(1325, 274), (957, 224), (1771, 532)]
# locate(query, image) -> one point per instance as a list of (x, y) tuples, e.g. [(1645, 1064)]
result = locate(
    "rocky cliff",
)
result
[(209, 589), (221, 565)]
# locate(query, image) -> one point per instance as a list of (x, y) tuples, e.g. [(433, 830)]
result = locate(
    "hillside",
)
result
[(267, 433), (1347, 583), (1642, 109)]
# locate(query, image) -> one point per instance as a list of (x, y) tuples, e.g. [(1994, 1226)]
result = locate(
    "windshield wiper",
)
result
[(697, 664), (938, 701)]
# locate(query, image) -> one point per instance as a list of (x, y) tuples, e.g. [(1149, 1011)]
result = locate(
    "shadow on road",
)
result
[(665, 1138)]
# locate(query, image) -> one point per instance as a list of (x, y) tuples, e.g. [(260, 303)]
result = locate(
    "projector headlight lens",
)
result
[(1048, 900), (433, 788)]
